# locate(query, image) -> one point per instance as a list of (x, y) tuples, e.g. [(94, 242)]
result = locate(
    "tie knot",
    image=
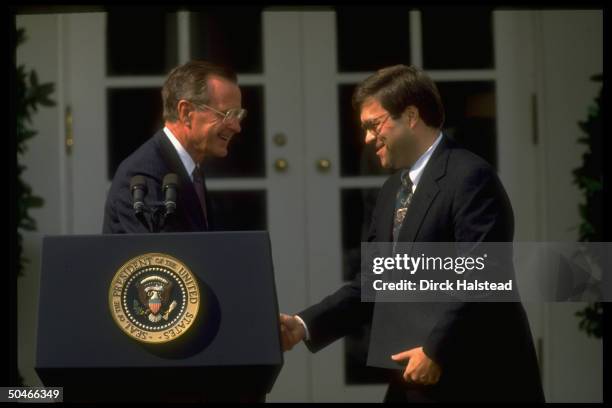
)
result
[(406, 182), (197, 176)]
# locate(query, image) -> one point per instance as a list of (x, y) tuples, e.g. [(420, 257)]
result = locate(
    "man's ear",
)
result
[(411, 115), (184, 112)]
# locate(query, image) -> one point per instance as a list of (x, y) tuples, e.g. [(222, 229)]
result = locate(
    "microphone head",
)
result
[(171, 179), (138, 181), (169, 187), (138, 187)]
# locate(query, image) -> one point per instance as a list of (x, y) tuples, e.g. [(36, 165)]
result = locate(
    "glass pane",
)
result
[(246, 152), (125, 133), (357, 206), (141, 43), (470, 116), (457, 38), (370, 37), (239, 210), (229, 36), (356, 158)]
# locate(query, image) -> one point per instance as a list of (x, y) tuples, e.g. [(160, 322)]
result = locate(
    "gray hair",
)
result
[(190, 82)]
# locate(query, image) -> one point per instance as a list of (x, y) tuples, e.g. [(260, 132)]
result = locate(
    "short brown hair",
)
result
[(190, 82), (400, 86)]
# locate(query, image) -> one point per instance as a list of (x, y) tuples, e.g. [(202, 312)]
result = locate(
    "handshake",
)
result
[(291, 330), (417, 366)]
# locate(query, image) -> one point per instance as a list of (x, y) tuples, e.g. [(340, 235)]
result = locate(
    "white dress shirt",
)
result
[(417, 168), (186, 159)]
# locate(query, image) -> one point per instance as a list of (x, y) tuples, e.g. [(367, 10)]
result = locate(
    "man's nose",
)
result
[(234, 125), (369, 137)]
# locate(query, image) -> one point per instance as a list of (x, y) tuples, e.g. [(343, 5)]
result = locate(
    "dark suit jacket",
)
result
[(154, 159), (485, 350)]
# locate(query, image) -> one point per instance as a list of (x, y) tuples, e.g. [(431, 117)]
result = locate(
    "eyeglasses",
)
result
[(231, 114), (374, 125)]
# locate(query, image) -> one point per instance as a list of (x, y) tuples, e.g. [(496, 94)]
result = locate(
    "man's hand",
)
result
[(292, 331), (420, 369)]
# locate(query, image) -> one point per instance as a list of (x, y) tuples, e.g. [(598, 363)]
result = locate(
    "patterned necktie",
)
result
[(402, 201), (198, 184)]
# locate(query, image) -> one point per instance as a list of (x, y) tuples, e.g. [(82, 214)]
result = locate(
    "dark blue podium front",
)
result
[(232, 350)]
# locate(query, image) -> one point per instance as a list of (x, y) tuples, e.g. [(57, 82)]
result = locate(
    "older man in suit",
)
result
[(202, 112), (441, 193)]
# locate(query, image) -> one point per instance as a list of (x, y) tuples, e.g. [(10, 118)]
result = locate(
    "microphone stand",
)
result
[(157, 211)]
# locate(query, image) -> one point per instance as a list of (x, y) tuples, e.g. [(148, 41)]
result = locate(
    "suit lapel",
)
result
[(385, 224), (427, 189), (209, 207), (421, 201), (207, 200), (188, 198)]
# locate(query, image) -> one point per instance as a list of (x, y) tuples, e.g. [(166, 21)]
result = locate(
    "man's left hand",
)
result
[(420, 369)]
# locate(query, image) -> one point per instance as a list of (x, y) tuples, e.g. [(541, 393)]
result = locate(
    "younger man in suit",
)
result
[(441, 193)]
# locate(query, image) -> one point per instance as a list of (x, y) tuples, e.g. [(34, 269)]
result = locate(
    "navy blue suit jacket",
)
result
[(153, 160), (485, 350)]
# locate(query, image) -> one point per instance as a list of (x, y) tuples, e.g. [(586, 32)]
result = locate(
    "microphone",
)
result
[(138, 187), (169, 187)]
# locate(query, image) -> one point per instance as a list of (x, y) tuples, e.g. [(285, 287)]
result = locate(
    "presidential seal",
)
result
[(154, 298)]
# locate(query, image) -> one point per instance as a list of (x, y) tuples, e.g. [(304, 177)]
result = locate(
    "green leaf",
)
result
[(33, 80), (26, 134), (47, 102), (46, 89), (27, 224), (34, 202), (597, 77), (21, 37)]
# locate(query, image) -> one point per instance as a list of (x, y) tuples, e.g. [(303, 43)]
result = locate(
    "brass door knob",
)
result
[(323, 165), (280, 139), (281, 165)]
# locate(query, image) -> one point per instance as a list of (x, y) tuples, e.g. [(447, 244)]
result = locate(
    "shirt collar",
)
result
[(186, 159), (416, 171)]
